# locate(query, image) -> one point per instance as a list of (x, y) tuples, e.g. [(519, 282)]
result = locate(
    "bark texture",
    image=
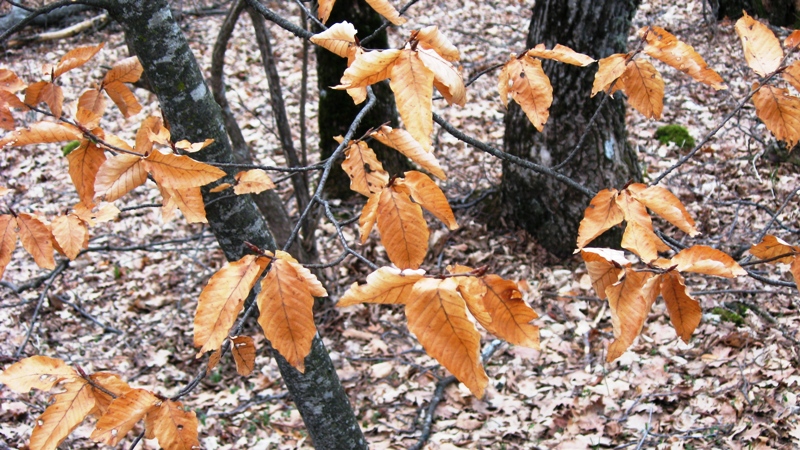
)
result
[(546, 208), (336, 108), (193, 114)]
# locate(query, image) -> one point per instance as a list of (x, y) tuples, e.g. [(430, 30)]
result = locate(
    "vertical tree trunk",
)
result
[(547, 209), (336, 108), (193, 114)]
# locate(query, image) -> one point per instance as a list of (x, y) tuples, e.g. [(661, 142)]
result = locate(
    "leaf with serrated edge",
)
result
[(604, 266), (36, 240), (412, 84), (668, 206), (511, 315), (285, 312), (222, 300), (561, 53), (71, 234), (528, 85), (780, 112), (794, 268), (644, 87), (180, 171), (404, 232), (601, 214), (127, 70), (366, 173), (387, 285), (84, 164), (36, 372), (369, 215), (430, 38), (244, 354), (369, 68), (610, 68), (762, 49), (427, 194), (8, 240), (771, 246), (119, 175), (63, 416), (190, 202), (437, 315), (404, 143), (708, 261), (252, 182), (445, 77), (76, 58), (384, 8), (122, 415), (42, 133), (50, 93), (123, 97), (337, 39), (174, 427), (629, 300), (313, 285), (665, 47), (684, 311)]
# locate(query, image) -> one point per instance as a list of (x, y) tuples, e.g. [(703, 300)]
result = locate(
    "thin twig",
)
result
[(60, 268)]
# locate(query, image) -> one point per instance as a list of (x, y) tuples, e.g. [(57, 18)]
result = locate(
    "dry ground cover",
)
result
[(127, 306)]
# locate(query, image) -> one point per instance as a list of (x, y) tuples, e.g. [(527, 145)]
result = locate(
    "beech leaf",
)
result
[(770, 247), (122, 415), (50, 93), (119, 175), (431, 38), (630, 301), (252, 182), (561, 53), (36, 372), (8, 240), (644, 87), (412, 84), (180, 171), (369, 68), (780, 112), (528, 85), (366, 173), (404, 232), (122, 96), (427, 194), (174, 427), (337, 39), (71, 234), (127, 70), (762, 50), (84, 164), (36, 240), (665, 47), (387, 285), (446, 78), (604, 266), (189, 201), (610, 68), (684, 311), (667, 205), (511, 315), (602, 213), (384, 8), (63, 416), (404, 143), (244, 354), (369, 215), (76, 58), (42, 133), (708, 261)]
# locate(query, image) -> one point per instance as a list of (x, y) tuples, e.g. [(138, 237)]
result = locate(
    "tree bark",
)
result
[(546, 208), (782, 13), (336, 108), (193, 114)]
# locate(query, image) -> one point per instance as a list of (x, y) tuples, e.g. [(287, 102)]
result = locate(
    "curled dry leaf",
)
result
[(180, 171), (561, 53), (668, 206), (369, 215), (684, 311), (127, 70), (174, 427), (412, 84), (665, 47), (792, 75), (528, 85), (630, 301), (771, 247), (76, 58), (42, 133), (604, 266), (84, 164), (446, 78), (107, 386), (337, 39), (369, 68), (94, 101), (792, 40), (189, 201), (602, 213), (122, 96), (65, 414), (10, 82), (510, 314), (252, 182), (780, 112), (387, 285), (708, 261), (119, 175), (404, 143), (366, 173), (430, 38), (762, 50), (244, 354), (49, 93), (189, 147), (324, 9), (427, 194)]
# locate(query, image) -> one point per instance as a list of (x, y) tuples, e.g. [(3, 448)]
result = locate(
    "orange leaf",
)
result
[(94, 101), (358, 94), (123, 98), (510, 314), (174, 427), (122, 414), (644, 87), (369, 68), (708, 261), (427, 194), (315, 288), (665, 47), (76, 58), (795, 269), (473, 291), (244, 354), (6, 118), (189, 147), (684, 311), (792, 74), (110, 384), (8, 240), (384, 8), (430, 38), (528, 85), (36, 240), (641, 240), (337, 39), (84, 164), (629, 300), (369, 215), (222, 300), (10, 82), (151, 130), (190, 202), (437, 315), (119, 175), (604, 266), (412, 84), (780, 112), (601, 214), (50, 93), (770, 247), (366, 173), (762, 50), (285, 312), (180, 171), (446, 78), (404, 143), (63, 416), (71, 234), (611, 68), (792, 40), (324, 9), (561, 53), (127, 70), (42, 133), (404, 232), (36, 372), (387, 285), (665, 204)]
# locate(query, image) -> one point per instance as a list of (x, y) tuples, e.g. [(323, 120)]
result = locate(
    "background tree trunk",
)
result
[(189, 106), (547, 209), (336, 108), (782, 13)]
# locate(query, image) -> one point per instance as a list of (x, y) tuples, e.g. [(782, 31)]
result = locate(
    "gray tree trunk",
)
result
[(546, 208), (189, 106)]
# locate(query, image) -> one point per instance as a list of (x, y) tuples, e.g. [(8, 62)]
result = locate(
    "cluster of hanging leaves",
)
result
[(631, 292), (776, 250), (105, 396)]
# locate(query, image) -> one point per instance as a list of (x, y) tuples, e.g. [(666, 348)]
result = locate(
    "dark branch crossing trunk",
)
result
[(546, 208), (193, 114)]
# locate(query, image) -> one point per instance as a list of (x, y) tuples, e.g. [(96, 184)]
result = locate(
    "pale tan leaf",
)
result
[(446, 78), (337, 39), (94, 101), (412, 84), (780, 112), (63, 416), (604, 266), (792, 74), (369, 215), (168, 204), (665, 47), (387, 285), (50, 93), (252, 182), (119, 175), (358, 94), (601, 214), (629, 300), (427, 194), (369, 68), (762, 49), (244, 354), (36, 372), (437, 315), (285, 312), (610, 68), (127, 70), (644, 87), (10, 82), (174, 427), (561, 53), (222, 299), (180, 171), (76, 58), (122, 96), (528, 85), (667, 205), (641, 240), (404, 143), (366, 173), (430, 38), (221, 187), (708, 261), (107, 386), (384, 8), (770, 247), (71, 234), (8, 240), (684, 311), (189, 147), (122, 415), (404, 232), (36, 240), (42, 133), (151, 127), (190, 202), (472, 290), (511, 316), (104, 213), (84, 164), (313, 284), (324, 9)]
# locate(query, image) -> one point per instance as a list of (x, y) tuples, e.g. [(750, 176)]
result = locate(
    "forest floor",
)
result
[(129, 308)]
